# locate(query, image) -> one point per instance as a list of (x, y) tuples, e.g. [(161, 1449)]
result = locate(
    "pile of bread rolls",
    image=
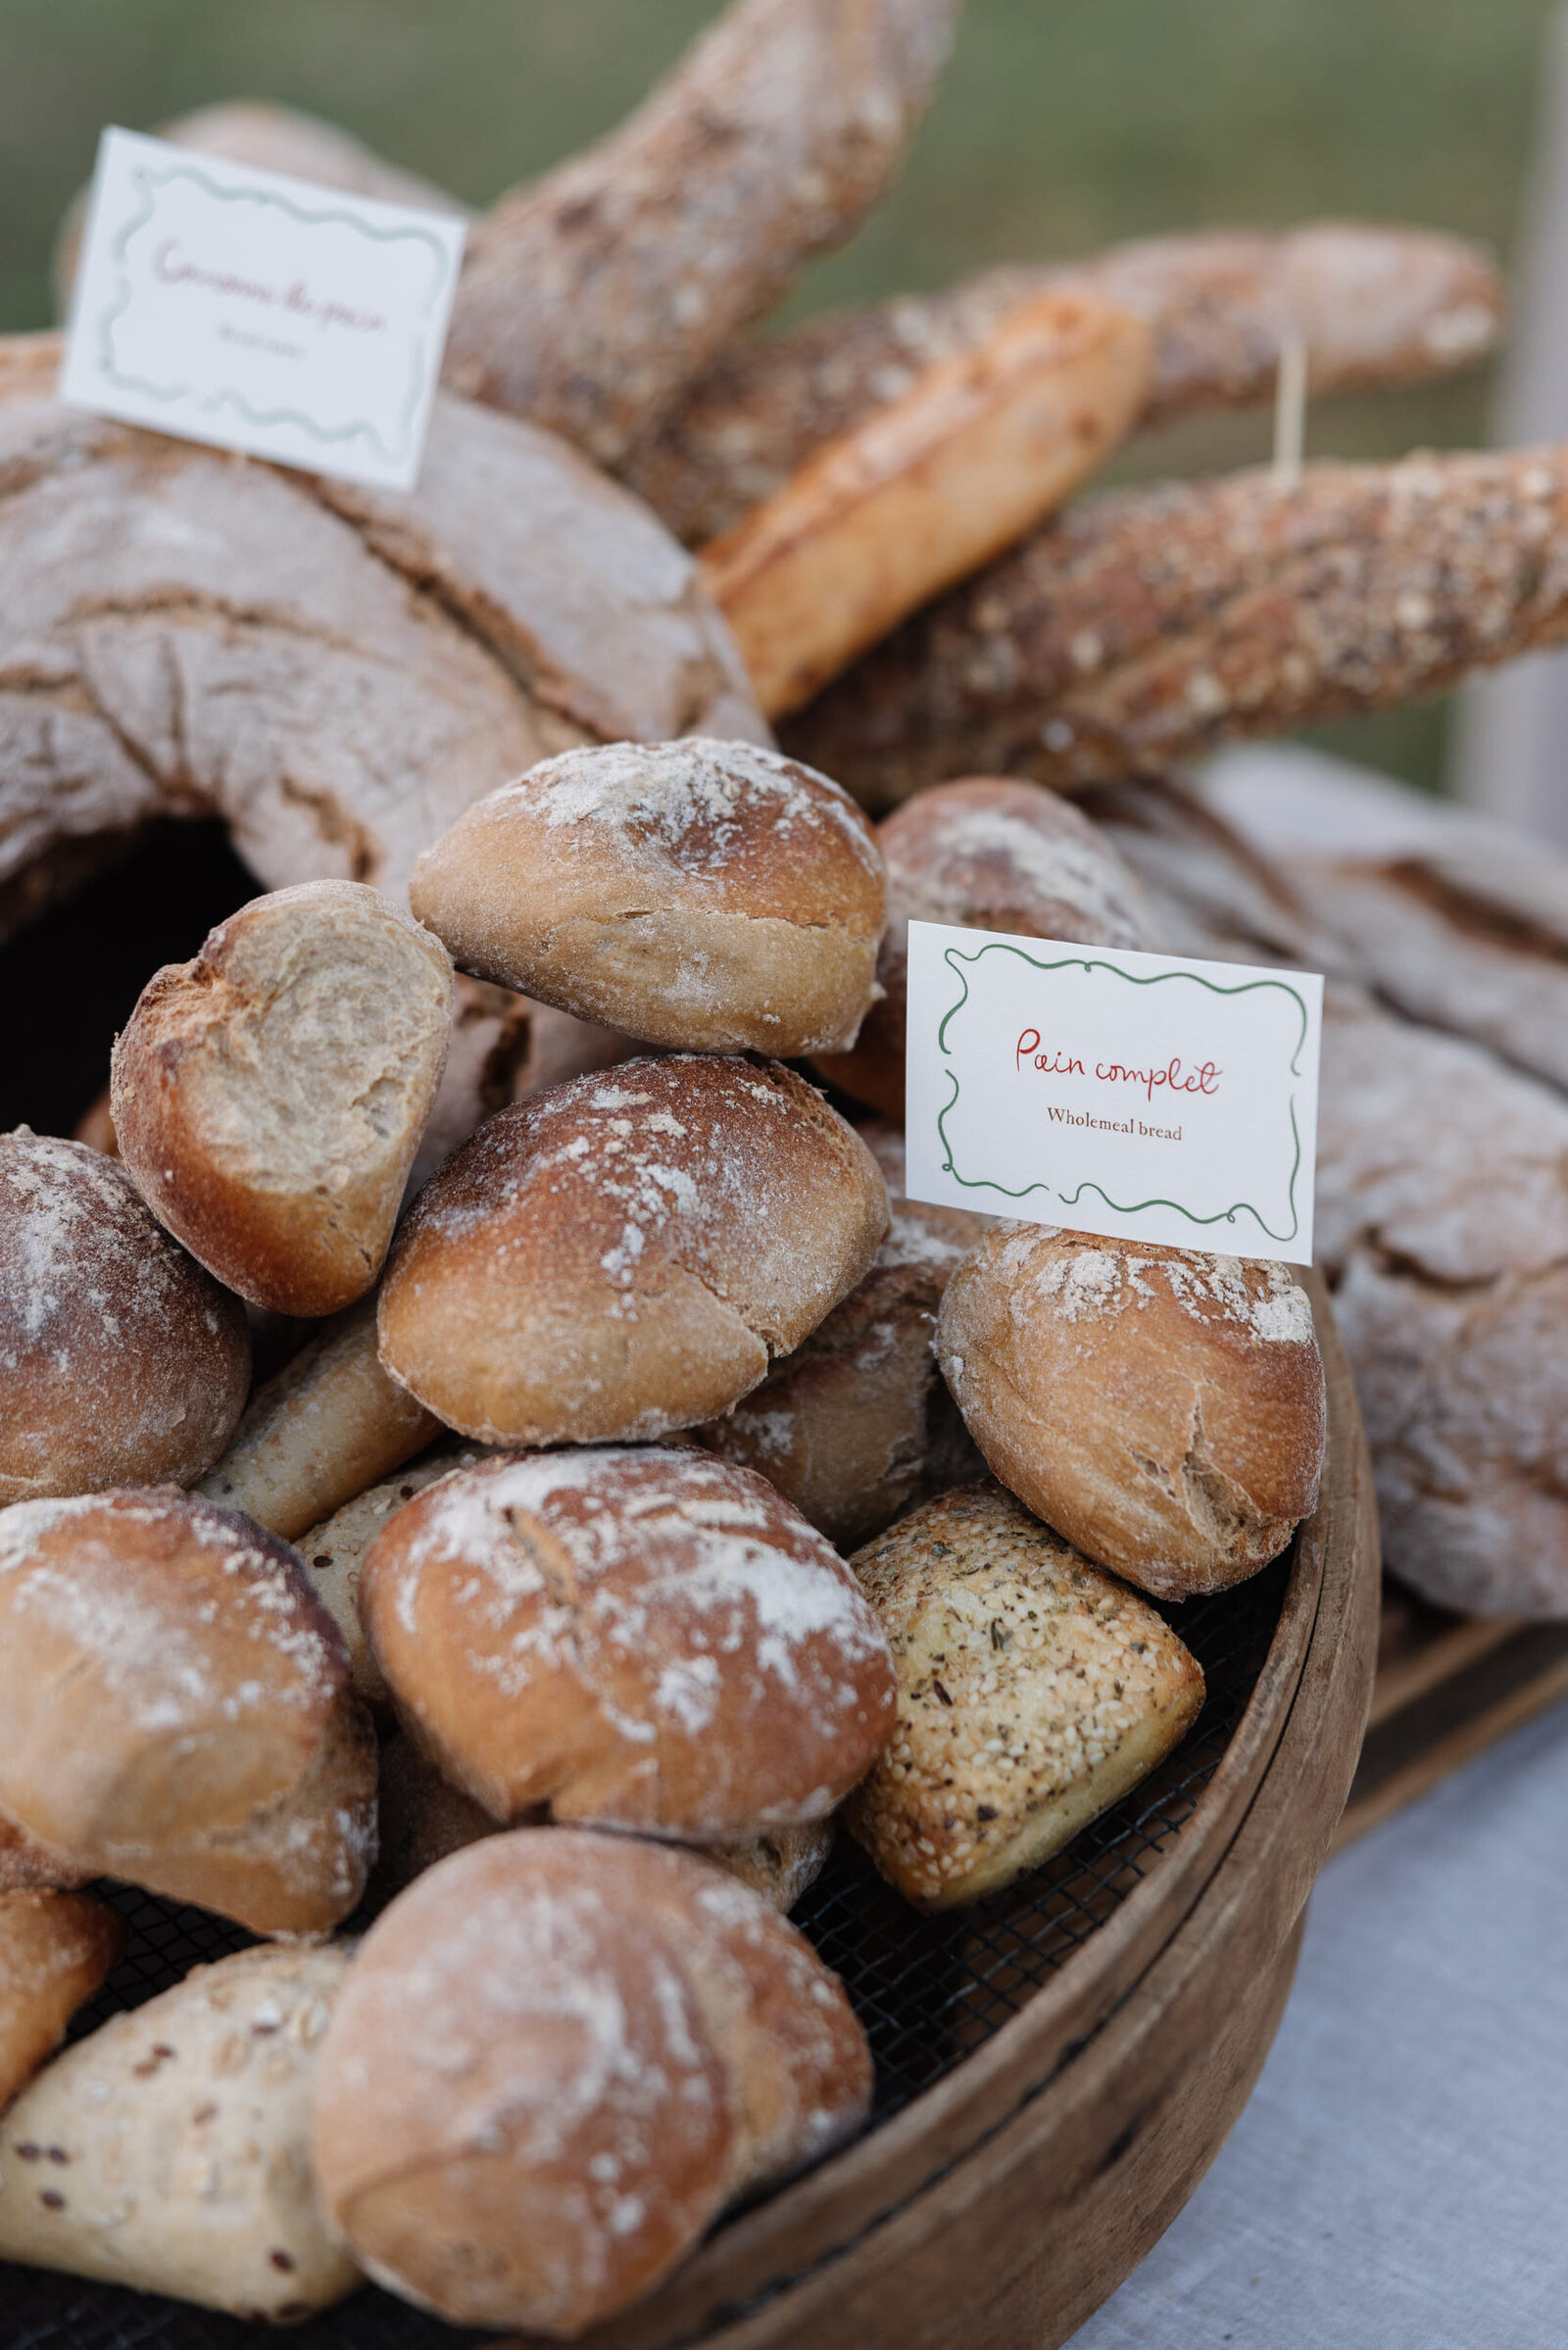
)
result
[(508, 1608)]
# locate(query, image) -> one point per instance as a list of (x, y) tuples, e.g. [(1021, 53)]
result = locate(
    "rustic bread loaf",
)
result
[(174, 1709), (269, 1096), (1163, 1410), (1033, 1692), (984, 854), (703, 895), (170, 2151), (122, 1360), (55, 1951), (557, 2057), (857, 1424), (642, 1637), (621, 1256)]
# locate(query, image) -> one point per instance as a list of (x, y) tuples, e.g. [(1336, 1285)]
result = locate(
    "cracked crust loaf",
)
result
[(55, 1951), (641, 1637), (708, 896), (269, 1096), (624, 1256), (1162, 1411), (122, 1360), (175, 1708), (1033, 1692), (558, 2056)]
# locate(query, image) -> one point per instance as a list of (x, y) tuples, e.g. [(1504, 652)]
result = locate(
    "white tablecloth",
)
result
[(1400, 2180)]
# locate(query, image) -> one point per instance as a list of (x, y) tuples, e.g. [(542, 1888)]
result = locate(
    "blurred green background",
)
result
[(1061, 125)]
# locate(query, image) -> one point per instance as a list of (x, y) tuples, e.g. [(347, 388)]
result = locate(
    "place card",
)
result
[(259, 312), (1140, 1097)]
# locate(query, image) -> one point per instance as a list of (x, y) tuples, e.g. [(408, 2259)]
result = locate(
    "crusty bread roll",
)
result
[(171, 2149), (55, 1951), (985, 855), (269, 1096), (421, 1817), (621, 1256), (708, 896), (857, 1424), (1034, 1690), (321, 1429), (175, 1708), (555, 2059), (1163, 1409), (640, 1637), (29, 1865), (782, 1862), (121, 1361)]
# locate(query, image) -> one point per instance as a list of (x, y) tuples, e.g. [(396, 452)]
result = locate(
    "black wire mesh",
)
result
[(929, 1990)]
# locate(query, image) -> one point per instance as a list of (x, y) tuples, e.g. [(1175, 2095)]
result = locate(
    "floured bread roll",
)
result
[(1163, 1410), (270, 1096), (55, 1951), (29, 1865), (182, 2132), (857, 1424), (1034, 1690), (781, 1864), (985, 855), (175, 1708), (558, 2056), (121, 1361), (621, 1256), (709, 895), (640, 1637)]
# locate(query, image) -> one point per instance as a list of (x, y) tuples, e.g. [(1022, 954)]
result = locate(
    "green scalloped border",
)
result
[(953, 956)]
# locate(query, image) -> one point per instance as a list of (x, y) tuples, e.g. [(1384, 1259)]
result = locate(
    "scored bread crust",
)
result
[(708, 896), (1163, 1410), (122, 1360), (55, 1951), (623, 1255), (642, 1637), (558, 2056)]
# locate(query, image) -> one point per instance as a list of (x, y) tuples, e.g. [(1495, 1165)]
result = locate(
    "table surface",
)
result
[(1400, 2180)]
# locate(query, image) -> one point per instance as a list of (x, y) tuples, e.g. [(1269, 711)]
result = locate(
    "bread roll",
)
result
[(622, 1257), (985, 855), (639, 1636), (170, 2151), (857, 1424), (29, 1865), (556, 2058), (174, 1709), (55, 1951), (421, 1817), (1163, 1409), (1033, 1692), (712, 897), (121, 1361), (782, 1864), (269, 1096), (325, 1427)]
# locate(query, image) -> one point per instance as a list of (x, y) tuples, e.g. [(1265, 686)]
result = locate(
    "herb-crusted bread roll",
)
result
[(558, 2056), (269, 1096), (55, 1951), (708, 896), (624, 1256), (175, 1708), (1163, 1410), (1033, 1692), (640, 1637), (122, 1360)]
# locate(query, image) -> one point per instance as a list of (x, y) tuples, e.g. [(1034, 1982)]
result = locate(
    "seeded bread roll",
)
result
[(170, 2151), (55, 1951), (985, 855), (708, 896), (270, 1096), (642, 1637), (175, 1708), (857, 1424), (121, 1361), (556, 2058), (623, 1257), (1163, 1410), (1033, 1692)]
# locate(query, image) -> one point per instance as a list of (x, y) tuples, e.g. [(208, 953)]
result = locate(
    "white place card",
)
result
[(1143, 1096), (259, 312)]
